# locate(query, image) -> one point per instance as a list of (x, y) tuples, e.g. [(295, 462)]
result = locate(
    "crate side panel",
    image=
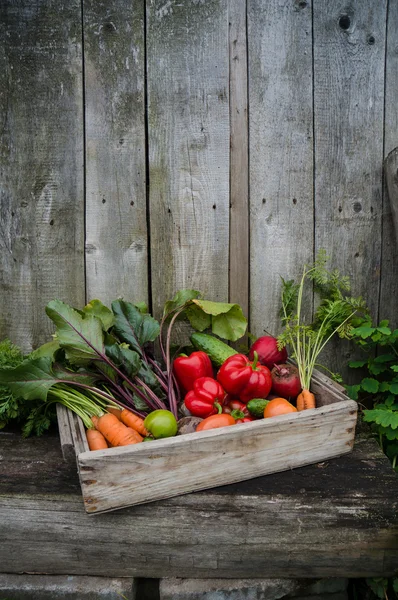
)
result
[(122, 477)]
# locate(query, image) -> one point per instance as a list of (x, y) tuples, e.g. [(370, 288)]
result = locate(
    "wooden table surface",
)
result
[(338, 518)]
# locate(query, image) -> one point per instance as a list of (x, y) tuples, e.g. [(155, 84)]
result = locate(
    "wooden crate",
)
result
[(120, 477)]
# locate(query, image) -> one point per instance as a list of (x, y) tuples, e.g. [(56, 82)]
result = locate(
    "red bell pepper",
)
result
[(206, 397), (238, 410), (245, 379), (189, 368)]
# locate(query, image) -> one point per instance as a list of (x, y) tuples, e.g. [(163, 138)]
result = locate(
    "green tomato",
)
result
[(161, 424)]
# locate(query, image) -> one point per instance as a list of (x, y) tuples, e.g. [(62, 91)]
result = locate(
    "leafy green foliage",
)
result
[(335, 314), (134, 327), (12, 407), (80, 335), (379, 387)]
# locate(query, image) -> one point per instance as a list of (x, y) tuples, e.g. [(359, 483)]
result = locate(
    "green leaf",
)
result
[(394, 388), (353, 391), (384, 386), (46, 350), (395, 584), (228, 320), (384, 323), (104, 314), (132, 326), (377, 368), (142, 307), (181, 298), (80, 335), (355, 364), (384, 358), (32, 379), (364, 331), (198, 318), (124, 357), (370, 385), (394, 368), (386, 418), (384, 330)]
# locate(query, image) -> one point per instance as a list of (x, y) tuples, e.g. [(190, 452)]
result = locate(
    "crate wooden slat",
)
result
[(120, 477)]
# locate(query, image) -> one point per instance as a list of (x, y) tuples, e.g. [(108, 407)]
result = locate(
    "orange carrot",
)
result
[(96, 440), (133, 421), (137, 436), (305, 399), (115, 432), (94, 419), (114, 411)]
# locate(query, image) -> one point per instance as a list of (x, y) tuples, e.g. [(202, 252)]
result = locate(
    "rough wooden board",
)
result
[(120, 477), (281, 159), (65, 434), (78, 433), (348, 113), (239, 263), (116, 227), (188, 128), (326, 516), (41, 165), (388, 307)]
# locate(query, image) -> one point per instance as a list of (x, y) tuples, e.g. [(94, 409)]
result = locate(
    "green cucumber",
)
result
[(256, 406), (217, 350)]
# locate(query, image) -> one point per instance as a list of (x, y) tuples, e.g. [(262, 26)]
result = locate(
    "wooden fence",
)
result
[(210, 144)]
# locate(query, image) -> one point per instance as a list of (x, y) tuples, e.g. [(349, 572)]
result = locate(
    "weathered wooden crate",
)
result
[(119, 477)]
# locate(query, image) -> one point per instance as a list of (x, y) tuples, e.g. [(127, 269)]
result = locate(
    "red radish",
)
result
[(285, 381), (267, 350)]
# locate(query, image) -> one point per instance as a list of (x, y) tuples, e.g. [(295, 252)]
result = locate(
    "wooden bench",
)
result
[(334, 519)]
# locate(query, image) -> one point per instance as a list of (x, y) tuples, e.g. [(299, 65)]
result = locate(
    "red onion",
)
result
[(267, 350), (285, 381)]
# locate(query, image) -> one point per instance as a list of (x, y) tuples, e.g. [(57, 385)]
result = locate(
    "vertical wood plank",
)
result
[(188, 132), (41, 164), (239, 157), (349, 96), (281, 146), (388, 308), (116, 229)]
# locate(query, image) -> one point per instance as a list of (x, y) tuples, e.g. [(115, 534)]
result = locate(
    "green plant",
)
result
[(378, 390), (377, 393), (334, 314)]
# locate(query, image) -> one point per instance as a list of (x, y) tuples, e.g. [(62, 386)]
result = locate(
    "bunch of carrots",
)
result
[(115, 428)]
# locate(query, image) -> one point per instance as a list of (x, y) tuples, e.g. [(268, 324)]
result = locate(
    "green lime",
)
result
[(161, 423)]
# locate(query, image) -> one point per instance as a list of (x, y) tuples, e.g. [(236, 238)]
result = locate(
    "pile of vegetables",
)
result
[(102, 364)]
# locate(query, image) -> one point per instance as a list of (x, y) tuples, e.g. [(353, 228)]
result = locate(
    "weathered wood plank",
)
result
[(281, 145), (118, 477), (116, 228), (349, 47), (188, 129), (340, 526), (65, 434), (239, 263), (41, 164), (388, 308)]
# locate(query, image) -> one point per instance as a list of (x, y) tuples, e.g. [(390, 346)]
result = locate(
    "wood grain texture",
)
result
[(41, 165), (188, 133), (349, 97), (321, 520), (388, 308), (239, 263), (281, 159), (116, 228), (65, 434), (120, 477)]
